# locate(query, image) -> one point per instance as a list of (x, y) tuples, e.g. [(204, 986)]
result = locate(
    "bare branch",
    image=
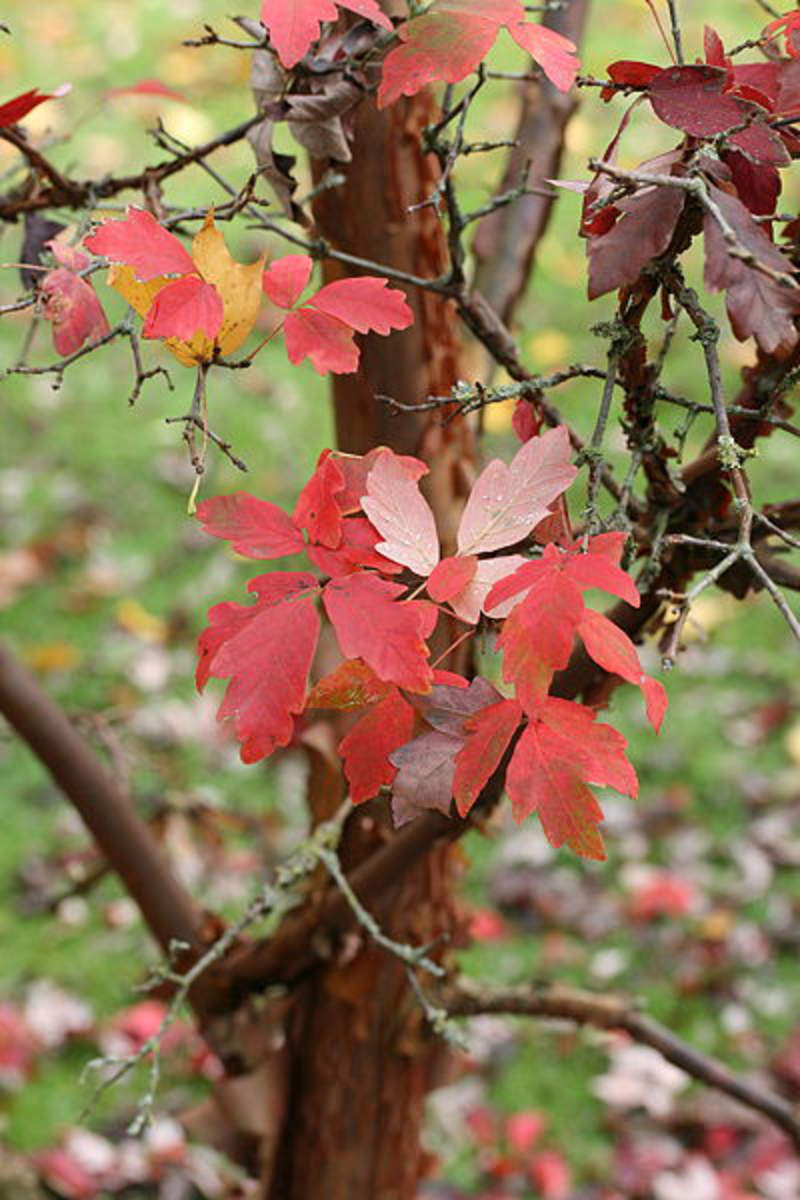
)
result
[(613, 1012)]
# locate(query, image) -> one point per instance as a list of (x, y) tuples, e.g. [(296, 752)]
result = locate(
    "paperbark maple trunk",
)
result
[(363, 1059)]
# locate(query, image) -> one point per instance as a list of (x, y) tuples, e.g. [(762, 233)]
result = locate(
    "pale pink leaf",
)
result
[(401, 514), (470, 603), (68, 255), (356, 468), (507, 501)]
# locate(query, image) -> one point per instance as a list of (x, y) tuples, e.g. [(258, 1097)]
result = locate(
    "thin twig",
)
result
[(411, 956), (675, 29)]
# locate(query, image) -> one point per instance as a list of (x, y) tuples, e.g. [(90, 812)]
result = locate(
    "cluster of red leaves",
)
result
[(508, 1153), (206, 303), (430, 735), (744, 109), (444, 43)]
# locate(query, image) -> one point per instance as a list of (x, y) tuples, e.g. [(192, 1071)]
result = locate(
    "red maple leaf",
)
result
[(557, 756), (183, 307), (789, 26), (14, 110), (598, 567), (322, 328), (294, 25), (339, 544), (537, 637), (452, 37), (367, 746), (141, 243), (256, 528), (266, 650), (147, 87), (317, 509), (490, 732), (390, 637), (356, 549), (613, 650)]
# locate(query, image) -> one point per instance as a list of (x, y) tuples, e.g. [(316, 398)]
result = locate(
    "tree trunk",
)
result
[(363, 1058)]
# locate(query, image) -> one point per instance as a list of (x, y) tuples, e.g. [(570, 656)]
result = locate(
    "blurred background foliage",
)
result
[(104, 581)]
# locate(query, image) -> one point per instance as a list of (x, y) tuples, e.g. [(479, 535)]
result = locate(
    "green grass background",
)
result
[(98, 483)]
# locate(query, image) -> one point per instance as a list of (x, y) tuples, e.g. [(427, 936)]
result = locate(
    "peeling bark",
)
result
[(363, 1058)]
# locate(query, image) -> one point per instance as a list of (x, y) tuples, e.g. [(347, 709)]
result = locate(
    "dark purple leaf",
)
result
[(691, 98), (757, 306), (425, 772)]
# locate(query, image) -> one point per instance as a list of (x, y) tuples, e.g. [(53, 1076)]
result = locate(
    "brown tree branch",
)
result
[(122, 836), (506, 242), (84, 193), (603, 1011)]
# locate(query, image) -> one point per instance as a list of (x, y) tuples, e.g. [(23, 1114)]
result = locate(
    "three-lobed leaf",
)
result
[(322, 328), (451, 37), (266, 651), (389, 636)]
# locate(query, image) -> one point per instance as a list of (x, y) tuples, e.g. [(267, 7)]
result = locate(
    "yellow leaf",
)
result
[(792, 743), (139, 295), (135, 619), (548, 348), (48, 657), (717, 925), (497, 417), (238, 284)]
